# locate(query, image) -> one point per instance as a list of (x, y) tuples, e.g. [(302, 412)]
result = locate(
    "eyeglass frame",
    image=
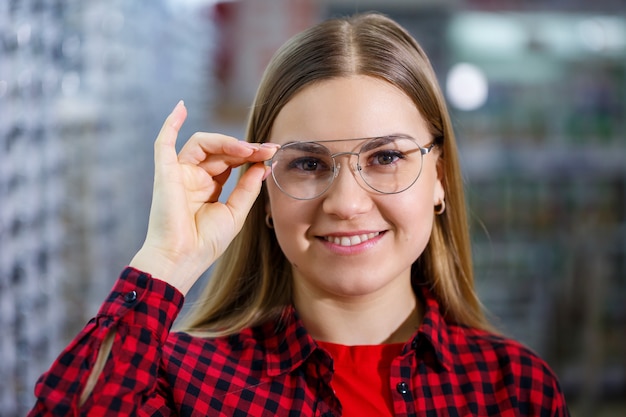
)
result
[(424, 150)]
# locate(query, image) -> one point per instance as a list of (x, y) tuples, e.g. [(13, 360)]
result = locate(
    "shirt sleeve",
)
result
[(141, 310)]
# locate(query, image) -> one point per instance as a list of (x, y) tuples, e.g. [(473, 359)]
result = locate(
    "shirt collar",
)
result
[(433, 332), (288, 344)]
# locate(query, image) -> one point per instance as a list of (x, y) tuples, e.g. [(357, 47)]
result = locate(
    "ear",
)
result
[(268, 207), (439, 193)]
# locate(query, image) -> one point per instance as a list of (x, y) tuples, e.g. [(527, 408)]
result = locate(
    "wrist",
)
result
[(179, 274)]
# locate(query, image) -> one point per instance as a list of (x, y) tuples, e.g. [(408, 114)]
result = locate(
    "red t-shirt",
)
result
[(361, 379)]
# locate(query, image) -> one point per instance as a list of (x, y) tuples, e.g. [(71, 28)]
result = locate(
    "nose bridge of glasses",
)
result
[(337, 155)]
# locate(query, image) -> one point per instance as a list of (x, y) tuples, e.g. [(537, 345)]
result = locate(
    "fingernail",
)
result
[(270, 145), (178, 120)]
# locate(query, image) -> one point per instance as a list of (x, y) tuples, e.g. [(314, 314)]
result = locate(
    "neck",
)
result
[(372, 319)]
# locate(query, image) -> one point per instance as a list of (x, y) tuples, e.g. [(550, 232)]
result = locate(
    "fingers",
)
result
[(214, 164), (202, 144), (165, 144), (217, 153)]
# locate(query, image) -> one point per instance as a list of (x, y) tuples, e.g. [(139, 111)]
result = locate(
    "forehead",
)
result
[(348, 108)]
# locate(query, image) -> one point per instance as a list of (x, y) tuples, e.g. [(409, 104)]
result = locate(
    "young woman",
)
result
[(345, 282)]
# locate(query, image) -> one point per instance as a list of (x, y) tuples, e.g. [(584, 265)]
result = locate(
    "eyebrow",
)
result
[(309, 146), (377, 142), (383, 139)]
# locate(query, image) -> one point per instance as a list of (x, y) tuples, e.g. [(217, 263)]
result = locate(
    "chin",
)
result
[(357, 288)]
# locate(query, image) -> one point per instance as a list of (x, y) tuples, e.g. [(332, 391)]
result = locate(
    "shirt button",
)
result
[(414, 343), (130, 296), (402, 388)]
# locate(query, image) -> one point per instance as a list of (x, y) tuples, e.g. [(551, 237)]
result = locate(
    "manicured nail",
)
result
[(180, 103), (270, 145), (178, 121)]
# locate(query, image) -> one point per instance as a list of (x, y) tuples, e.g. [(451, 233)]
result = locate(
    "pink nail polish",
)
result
[(270, 145)]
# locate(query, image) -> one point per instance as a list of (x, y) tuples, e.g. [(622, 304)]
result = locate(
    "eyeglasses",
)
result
[(386, 164)]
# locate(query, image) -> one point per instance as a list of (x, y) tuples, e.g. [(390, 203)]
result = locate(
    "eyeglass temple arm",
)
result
[(427, 148)]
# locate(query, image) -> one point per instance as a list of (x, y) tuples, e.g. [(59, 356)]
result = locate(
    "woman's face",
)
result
[(352, 241)]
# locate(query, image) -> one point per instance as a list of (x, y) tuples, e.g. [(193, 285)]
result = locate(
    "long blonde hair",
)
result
[(251, 283)]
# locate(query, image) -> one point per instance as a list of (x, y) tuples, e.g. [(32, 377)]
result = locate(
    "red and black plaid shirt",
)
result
[(277, 368)]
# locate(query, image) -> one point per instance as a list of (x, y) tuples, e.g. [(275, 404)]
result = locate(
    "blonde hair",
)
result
[(252, 281)]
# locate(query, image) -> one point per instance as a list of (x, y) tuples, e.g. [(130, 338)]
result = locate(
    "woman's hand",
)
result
[(189, 228)]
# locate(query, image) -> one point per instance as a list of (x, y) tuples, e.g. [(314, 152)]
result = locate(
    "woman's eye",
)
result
[(385, 157), (307, 164)]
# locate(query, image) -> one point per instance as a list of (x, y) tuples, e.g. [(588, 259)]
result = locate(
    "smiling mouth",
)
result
[(350, 240)]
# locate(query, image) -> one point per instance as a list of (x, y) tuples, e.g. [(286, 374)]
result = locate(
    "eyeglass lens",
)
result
[(388, 165)]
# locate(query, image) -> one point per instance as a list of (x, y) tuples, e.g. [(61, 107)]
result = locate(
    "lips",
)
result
[(350, 240)]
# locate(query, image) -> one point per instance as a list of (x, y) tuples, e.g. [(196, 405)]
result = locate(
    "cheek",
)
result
[(291, 218), (414, 235), (413, 213), (417, 215), (291, 227), (280, 205)]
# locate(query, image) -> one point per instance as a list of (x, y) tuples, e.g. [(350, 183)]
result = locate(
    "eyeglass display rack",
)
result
[(545, 165), (84, 88), (549, 251)]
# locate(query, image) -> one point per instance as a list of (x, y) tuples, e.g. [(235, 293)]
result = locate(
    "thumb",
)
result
[(246, 192)]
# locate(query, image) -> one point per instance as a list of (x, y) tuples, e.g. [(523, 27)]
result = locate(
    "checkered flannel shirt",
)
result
[(277, 368)]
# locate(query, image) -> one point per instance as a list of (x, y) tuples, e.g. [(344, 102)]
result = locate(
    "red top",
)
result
[(362, 377)]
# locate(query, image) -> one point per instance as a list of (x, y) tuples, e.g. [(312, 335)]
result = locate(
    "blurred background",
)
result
[(537, 91)]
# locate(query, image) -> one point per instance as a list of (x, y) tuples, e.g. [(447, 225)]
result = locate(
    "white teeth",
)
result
[(351, 240)]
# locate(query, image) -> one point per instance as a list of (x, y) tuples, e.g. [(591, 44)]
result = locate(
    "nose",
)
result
[(347, 198)]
